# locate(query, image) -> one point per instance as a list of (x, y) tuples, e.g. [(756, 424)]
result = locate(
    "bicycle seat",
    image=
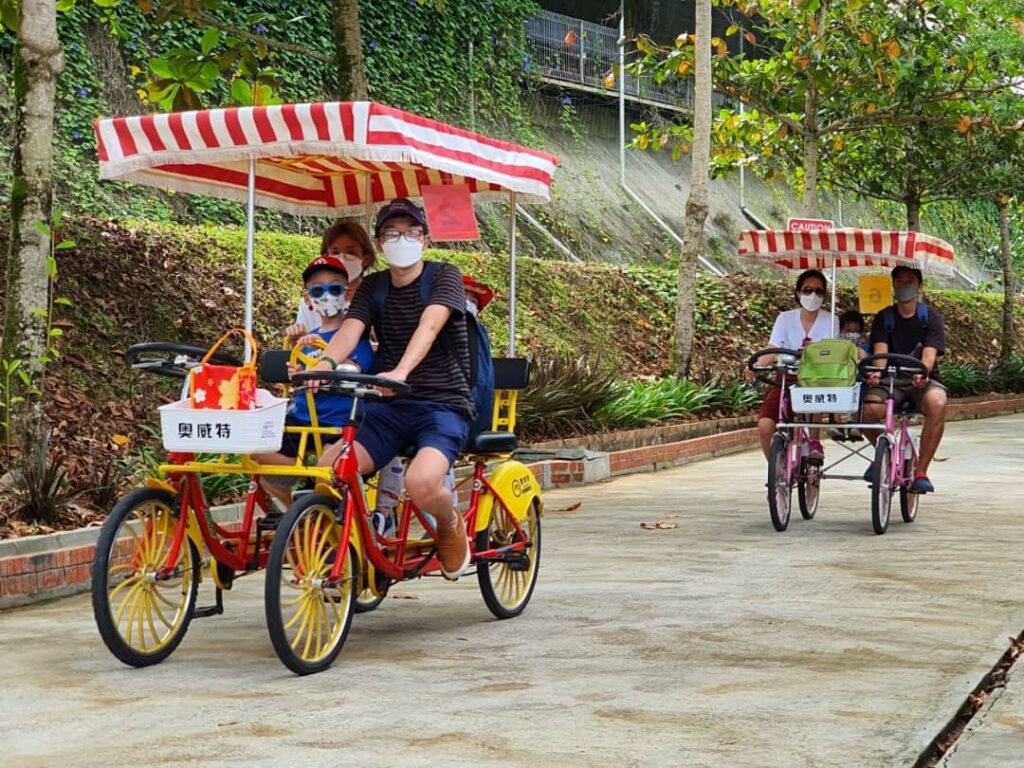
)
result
[(906, 408), (492, 442)]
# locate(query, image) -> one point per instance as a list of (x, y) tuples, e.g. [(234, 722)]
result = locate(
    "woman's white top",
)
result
[(788, 332)]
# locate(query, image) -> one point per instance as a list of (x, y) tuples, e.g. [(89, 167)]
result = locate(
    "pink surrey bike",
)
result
[(895, 450)]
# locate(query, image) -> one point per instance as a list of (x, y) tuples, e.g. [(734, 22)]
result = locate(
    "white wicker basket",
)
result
[(825, 399), (215, 431)]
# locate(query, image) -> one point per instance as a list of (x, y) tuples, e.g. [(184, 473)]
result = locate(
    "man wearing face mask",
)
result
[(427, 347), (908, 327)]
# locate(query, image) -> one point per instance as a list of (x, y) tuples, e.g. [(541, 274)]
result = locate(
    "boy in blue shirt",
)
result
[(325, 280)]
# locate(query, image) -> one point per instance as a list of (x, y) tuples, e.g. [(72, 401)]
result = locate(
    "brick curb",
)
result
[(36, 568)]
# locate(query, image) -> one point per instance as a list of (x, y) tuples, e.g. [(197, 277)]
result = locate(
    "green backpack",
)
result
[(828, 363)]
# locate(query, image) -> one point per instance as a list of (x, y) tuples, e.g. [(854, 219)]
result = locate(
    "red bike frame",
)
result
[(192, 502)]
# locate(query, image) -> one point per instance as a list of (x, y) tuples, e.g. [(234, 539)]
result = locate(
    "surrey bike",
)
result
[(148, 561), (325, 548)]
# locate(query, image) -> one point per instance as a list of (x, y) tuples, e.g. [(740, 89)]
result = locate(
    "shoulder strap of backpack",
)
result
[(922, 315), (430, 269)]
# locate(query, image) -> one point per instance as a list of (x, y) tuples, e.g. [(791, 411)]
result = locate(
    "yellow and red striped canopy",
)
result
[(316, 159), (848, 248)]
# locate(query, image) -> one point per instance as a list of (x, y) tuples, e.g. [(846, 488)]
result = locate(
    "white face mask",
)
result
[(471, 307), (329, 306), (811, 301), (354, 267), (853, 336), (402, 253)]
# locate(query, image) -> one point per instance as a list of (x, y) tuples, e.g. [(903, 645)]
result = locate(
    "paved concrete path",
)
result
[(719, 643)]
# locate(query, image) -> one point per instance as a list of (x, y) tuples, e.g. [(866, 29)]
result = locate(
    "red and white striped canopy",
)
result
[(848, 248), (316, 159)]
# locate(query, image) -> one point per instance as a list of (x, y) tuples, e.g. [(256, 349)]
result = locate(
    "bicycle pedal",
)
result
[(519, 564), (268, 523)]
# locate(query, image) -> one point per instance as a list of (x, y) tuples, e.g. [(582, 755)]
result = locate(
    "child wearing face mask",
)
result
[(326, 283), (348, 242)]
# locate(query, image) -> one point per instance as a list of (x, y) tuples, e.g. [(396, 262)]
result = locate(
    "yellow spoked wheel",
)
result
[(507, 585), (142, 603), (308, 615), (371, 595)]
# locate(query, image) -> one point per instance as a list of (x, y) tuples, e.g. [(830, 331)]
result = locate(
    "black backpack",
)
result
[(481, 367)]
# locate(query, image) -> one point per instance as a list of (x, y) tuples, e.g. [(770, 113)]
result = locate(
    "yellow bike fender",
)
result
[(160, 485), (517, 487)]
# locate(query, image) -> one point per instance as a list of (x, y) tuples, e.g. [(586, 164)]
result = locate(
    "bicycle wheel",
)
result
[(507, 585), (881, 493), (366, 599), (143, 618), (808, 491), (308, 618), (908, 500), (780, 492)]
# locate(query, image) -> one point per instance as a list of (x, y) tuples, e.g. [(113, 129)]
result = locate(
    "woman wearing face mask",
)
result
[(795, 329), (347, 241)]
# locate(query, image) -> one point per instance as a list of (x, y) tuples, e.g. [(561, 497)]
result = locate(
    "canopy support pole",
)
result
[(833, 305), (512, 274), (250, 227), (368, 205)]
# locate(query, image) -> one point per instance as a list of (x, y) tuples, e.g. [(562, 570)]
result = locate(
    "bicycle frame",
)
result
[(410, 558)]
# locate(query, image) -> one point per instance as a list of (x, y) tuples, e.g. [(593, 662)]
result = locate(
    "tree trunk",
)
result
[(697, 203), (37, 63), (1009, 298), (348, 44), (913, 214), (812, 206)]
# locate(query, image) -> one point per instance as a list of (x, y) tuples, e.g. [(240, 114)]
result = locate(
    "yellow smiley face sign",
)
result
[(874, 293)]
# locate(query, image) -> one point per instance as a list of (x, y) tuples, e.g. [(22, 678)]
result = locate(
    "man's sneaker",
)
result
[(854, 435), (815, 452), (922, 484), (453, 548), (869, 473)]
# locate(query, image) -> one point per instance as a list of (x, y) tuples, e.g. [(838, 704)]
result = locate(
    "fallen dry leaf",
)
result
[(672, 514), (570, 508), (658, 526), (403, 596)]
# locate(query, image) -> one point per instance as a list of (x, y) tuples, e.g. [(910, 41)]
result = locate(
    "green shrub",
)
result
[(1007, 375), (564, 396), (963, 379), (641, 403)]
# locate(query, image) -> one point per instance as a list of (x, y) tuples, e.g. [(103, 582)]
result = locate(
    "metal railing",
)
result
[(580, 52)]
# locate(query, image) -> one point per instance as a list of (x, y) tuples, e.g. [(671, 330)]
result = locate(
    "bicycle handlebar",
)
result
[(345, 377), (171, 359), (780, 365), (895, 364)]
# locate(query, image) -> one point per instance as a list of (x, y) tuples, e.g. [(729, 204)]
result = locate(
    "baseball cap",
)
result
[(482, 292), (325, 262), (901, 269), (401, 206)]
